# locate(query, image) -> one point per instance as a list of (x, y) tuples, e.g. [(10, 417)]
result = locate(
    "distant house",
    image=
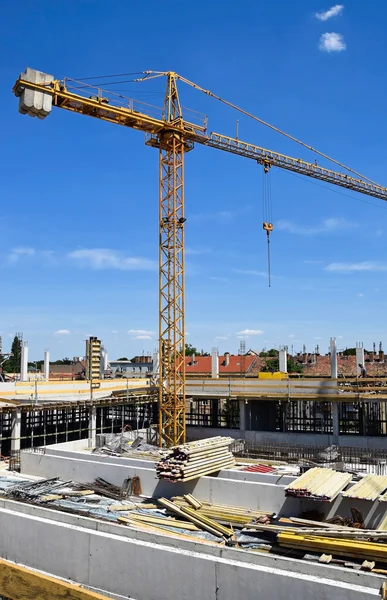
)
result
[(140, 366), (68, 372), (229, 365)]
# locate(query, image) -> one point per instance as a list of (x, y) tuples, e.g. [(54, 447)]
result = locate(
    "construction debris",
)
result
[(192, 460), (123, 443), (319, 484)]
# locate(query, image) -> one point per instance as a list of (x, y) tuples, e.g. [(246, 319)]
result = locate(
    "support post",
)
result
[(24, 362), (92, 426), (283, 361), (335, 421), (214, 364), (242, 415), (333, 349), (359, 356), (46, 365), (16, 430)]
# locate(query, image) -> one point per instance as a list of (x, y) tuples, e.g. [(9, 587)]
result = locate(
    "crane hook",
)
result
[(268, 227)]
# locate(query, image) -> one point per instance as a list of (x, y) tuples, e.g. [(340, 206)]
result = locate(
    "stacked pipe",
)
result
[(192, 460)]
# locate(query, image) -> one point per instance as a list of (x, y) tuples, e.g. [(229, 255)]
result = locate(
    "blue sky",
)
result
[(79, 230)]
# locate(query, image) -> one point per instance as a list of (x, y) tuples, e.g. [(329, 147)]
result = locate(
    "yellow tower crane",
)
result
[(168, 130)]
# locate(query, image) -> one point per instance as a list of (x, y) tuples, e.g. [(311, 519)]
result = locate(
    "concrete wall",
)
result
[(131, 564), (262, 492), (251, 494), (293, 439)]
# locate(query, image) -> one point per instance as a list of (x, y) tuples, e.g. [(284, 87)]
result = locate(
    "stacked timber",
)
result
[(319, 484), (192, 460)]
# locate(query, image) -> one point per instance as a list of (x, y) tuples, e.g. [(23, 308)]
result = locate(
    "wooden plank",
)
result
[(21, 583)]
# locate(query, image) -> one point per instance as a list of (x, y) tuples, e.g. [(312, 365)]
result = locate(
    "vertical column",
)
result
[(24, 362), (333, 349), (242, 415), (171, 286), (359, 357), (334, 405), (92, 426), (46, 365), (155, 367), (283, 361), (335, 421), (214, 363), (15, 430)]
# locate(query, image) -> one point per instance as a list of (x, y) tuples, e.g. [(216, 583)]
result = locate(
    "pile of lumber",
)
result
[(360, 549), (192, 460), (222, 513), (319, 484)]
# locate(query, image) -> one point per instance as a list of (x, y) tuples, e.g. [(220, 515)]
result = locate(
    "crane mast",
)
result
[(173, 135)]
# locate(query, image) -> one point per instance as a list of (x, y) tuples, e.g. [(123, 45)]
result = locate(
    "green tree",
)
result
[(13, 363), (272, 366), (123, 358), (269, 353), (190, 350), (63, 361)]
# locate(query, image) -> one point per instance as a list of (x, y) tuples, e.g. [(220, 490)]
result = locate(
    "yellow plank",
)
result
[(21, 583)]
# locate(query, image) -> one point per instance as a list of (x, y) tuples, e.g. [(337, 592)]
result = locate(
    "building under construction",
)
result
[(106, 499)]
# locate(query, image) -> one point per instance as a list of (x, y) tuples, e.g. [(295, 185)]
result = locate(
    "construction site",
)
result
[(205, 478)]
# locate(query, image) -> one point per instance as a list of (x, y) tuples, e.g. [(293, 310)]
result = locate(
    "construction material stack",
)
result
[(319, 484), (192, 460)]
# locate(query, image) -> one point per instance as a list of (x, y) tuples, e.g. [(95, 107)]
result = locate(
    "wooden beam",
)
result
[(21, 583)]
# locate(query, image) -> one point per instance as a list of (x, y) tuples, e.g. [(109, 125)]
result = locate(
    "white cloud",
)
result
[(334, 11), (250, 332), (326, 226), (317, 337), (360, 295), (250, 272), (62, 332), (17, 253), (292, 335), (360, 267), (114, 331), (221, 337), (141, 332), (219, 279), (332, 42), (143, 337), (105, 258)]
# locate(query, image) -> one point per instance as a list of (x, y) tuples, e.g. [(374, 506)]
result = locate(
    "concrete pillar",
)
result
[(283, 361), (156, 364), (242, 415), (15, 430), (24, 362), (92, 427), (359, 356), (335, 421), (333, 358), (214, 364), (46, 365)]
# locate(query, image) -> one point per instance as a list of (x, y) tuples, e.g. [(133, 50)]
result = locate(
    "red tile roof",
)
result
[(346, 366), (203, 364)]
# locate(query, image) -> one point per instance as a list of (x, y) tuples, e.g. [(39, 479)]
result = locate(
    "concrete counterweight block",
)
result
[(31, 102)]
